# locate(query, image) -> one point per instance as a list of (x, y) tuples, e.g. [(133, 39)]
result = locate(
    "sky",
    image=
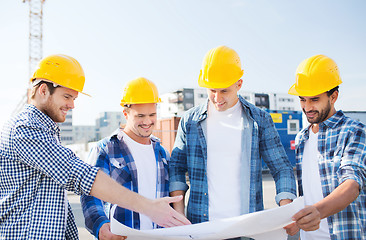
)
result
[(165, 41)]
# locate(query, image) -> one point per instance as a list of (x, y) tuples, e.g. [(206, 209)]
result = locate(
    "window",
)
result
[(293, 126)]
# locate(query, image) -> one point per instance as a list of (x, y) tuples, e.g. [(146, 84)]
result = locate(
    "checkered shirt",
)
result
[(113, 157), (342, 148), (35, 171), (190, 155)]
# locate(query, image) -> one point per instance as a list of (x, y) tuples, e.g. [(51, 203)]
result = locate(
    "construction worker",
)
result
[(331, 158), (36, 170), (220, 144), (132, 157)]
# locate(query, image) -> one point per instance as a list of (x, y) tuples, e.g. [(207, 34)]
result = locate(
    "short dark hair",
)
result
[(331, 91), (50, 87)]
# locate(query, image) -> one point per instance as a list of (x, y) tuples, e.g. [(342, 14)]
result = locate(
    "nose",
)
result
[(71, 104), (307, 106), (148, 121), (217, 97)]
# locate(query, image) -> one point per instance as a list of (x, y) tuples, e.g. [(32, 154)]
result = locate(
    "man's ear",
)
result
[(125, 113), (334, 97), (43, 90), (239, 84)]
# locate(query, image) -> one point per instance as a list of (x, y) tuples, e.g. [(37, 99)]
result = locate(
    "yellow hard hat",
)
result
[(315, 75), (62, 70), (221, 68), (139, 91)]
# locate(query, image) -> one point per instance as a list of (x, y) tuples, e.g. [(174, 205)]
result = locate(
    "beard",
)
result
[(53, 111), (319, 116)]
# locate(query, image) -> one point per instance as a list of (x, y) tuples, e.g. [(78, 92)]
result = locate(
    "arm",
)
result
[(351, 177), (158, 210), (179, 206), (274, 155), (38, 149), (96, 220), (309, 218), (41, 152), (178, 168)]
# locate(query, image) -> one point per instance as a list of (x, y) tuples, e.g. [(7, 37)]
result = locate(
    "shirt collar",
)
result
[(42, 116), (203, 107), (203, 111), (333, 121)]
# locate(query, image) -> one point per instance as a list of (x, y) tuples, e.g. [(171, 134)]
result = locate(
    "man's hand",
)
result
[(105, 233), (162, 214), (285, 201), (291, 229), (308, 219), (178, 206)]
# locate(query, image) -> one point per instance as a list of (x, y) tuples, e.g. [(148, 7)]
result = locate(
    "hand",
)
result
[(308, 219), (285, 201), (162, 214), (105, 233), (291, 229)]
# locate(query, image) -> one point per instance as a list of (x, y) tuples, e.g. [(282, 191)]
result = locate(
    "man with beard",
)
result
[(36, 170), (331, 155), (133, 157)]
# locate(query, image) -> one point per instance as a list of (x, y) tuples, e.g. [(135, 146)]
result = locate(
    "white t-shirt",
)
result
[(312, 186), (224, 132), (145, 161)]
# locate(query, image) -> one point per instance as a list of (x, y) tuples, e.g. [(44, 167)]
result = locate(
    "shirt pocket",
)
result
[(118, 162), (120, 172)]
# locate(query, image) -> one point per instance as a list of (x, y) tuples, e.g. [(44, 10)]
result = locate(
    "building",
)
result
[(357, 115), (174, 104), (107, 123), (66, 132), (83, 134)]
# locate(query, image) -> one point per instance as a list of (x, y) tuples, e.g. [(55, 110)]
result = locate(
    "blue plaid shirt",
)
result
[(342, 148), (35, 171), (113, 157), (190, 154)]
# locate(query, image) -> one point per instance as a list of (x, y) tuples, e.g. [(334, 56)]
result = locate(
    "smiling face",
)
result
[(141, 119), (224, 98), (57, 104), (318, 108)]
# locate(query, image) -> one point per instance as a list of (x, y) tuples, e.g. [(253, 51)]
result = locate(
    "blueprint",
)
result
[(263, 225)]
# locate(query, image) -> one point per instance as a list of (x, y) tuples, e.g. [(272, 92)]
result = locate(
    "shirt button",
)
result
[(205, 194), (204, 214)]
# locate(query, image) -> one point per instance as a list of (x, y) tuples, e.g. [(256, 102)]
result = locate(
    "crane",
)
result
[(35, 32), (35, 43)]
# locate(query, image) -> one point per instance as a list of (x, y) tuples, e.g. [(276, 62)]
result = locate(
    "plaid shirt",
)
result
[(35, 171), (342, 148), (190, 154), (114, 158)]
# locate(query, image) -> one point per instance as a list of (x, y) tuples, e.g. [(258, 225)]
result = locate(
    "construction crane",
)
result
[(35, 32), (35, 43)]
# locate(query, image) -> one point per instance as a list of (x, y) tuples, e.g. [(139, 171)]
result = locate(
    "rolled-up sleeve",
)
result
[(353, 162), (178, 161), (274, 155)]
